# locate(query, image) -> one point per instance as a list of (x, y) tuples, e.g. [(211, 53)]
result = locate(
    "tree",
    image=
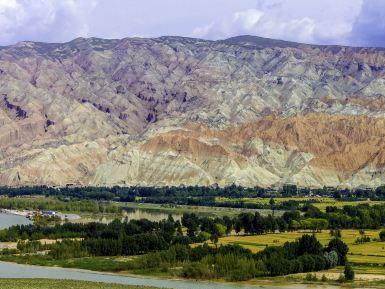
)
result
[(246, 220), (238, 226), (382, 236), (349, 273), (308, 244), (340, 248), (289, 190), (214, 239), (335, 233), (362, 232), (220, 230), (191, 222), (228, 223), (258, 224), (331, 258)]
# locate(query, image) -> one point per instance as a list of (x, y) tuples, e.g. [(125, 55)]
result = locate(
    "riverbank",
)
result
[(107, 267), (23, 213), (7, 220), (30, 214), (11, 270), (60, 284)]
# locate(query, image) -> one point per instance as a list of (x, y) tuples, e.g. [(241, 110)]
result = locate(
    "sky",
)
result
[(344, 22)]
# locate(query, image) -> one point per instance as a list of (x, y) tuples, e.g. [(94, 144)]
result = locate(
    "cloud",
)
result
[(350, 22), (369, 27), (296, 20), (43, 20), (249, 18)]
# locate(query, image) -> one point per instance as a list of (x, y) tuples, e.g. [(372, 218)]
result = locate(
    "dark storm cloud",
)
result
[(369, 27)]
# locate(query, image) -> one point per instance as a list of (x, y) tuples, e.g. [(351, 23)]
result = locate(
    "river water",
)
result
[(7, 220), (152, 215), (12, 270)]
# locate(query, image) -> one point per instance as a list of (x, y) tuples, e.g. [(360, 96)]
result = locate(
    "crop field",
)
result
[(367, 253), (339, 204), (62, 284), (318, 202)]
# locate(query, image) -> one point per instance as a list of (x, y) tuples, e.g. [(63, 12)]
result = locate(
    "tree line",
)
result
[(129, 194), (311, 218), (235, 263), (143, 236), (55, 204), (230, 262)]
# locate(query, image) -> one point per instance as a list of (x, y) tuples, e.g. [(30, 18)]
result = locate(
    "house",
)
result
[(48, 213)]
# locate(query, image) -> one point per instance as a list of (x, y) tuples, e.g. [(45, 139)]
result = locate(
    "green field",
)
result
[(60, 284), (367, 253), (319, 202)]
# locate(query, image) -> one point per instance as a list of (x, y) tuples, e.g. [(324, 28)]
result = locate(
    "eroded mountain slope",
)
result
[(172, 110)]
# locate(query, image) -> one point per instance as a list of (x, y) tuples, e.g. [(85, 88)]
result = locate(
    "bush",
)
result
[(382, 236), (349, 273), (361, 240), (239, 275), (341, 278), (196, 270), (335, 233), (311, 277), (331, 259), (340, 248), (203, 236)]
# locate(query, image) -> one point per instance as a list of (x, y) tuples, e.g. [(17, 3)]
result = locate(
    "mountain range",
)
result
[(181, 111)]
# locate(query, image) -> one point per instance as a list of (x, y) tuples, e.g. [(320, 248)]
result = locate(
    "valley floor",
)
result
[(368, 260)]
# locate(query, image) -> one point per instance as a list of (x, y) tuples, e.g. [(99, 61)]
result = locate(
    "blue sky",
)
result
[(347, 22)]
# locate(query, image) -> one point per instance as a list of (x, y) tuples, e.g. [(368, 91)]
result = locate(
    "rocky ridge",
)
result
[(173, 110)]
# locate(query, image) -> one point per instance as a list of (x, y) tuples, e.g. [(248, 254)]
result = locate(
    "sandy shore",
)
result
[(23, 213)]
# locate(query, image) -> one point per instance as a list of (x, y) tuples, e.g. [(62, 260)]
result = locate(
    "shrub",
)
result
[(196, 270), (340, 248), (382, 236), (335, 233), (361, 240), (331, 259), (311, 277), (341, 278), (349, 273)]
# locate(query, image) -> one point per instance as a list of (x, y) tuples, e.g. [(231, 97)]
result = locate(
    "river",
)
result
[(7, 220), (12, 270)]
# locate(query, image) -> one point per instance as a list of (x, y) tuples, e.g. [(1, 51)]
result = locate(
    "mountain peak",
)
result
[(260, 42)]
